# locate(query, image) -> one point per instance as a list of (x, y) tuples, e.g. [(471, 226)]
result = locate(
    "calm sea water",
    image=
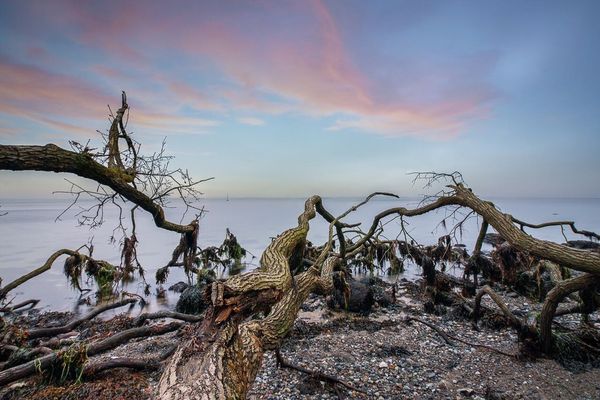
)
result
[(29, 233)]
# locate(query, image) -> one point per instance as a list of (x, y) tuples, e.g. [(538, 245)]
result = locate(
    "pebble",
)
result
[(430, 370)]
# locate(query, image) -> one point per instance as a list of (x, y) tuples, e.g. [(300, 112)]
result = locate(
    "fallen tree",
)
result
[(226, 366), (252, 313)]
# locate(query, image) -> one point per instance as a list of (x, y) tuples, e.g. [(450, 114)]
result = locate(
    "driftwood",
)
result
[(45, 332), (166, 314), (42, 363), (149, 364)]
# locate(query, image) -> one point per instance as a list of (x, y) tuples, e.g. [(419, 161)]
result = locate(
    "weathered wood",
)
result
[(45, 332), (225, 366)]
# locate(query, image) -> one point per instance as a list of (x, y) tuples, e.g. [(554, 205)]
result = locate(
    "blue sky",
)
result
[(291, 98)]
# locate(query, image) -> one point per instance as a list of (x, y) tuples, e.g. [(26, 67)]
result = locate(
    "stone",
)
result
[(192, 300), (178, 287)]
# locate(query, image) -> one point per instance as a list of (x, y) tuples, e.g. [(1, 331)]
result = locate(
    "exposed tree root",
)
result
[(515, 322), (556, 295), (149, 364), (439, 331), (45, 332), (43, 363)]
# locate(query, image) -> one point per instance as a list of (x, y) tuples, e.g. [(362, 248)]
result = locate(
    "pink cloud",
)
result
[(274, 59), (26, 90), (78, 107), (318, 77), (9, 132)]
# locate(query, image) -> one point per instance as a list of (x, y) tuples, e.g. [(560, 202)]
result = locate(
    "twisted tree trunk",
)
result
[(221, 361)]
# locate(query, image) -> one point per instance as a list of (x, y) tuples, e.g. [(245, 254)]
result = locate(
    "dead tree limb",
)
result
[(20, 306), (45, 267), (138, 364), (45, 332), (52, 158), (580, 260), (166, 314), (40, 364), (514, 320), (439, 331), (148, 364), (570, 224)]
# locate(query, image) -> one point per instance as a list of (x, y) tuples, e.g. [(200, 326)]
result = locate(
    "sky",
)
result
[(293, 98)]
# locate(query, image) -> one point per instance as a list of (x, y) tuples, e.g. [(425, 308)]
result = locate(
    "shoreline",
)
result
[(379, 353)]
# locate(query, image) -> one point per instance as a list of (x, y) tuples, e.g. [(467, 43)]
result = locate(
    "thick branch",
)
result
[(52, 158), (44, 332), (274, 271), (581, 260)]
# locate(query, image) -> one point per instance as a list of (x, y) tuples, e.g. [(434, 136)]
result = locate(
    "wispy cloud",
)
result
[(69, 104), (253, 121), (10, 132), (256, 66)]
